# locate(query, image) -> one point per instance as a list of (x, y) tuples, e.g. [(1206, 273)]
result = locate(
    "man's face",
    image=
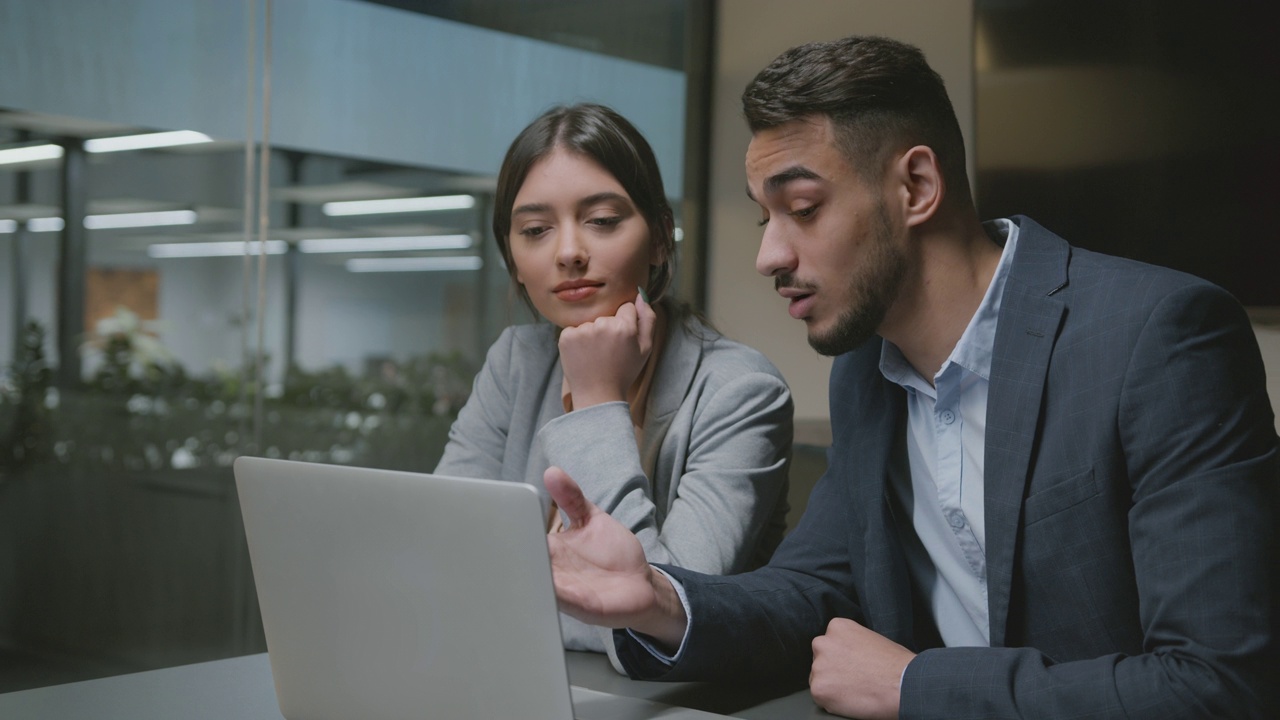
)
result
[(829, 240)]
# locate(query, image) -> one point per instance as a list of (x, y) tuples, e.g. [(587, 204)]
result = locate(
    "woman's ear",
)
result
[(920, 184), (658, 251)]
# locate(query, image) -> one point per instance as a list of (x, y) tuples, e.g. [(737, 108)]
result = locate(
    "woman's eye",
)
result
[(534, 231), (606, 221), (804, 213), (762, 222)]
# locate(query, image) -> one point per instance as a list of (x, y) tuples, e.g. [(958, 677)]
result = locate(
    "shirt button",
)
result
[(947, 417), (956, 519)]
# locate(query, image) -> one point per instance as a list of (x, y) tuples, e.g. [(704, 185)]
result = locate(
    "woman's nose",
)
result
[(570, 251)]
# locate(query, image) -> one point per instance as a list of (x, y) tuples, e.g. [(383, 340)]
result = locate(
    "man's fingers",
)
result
[(567, 495)]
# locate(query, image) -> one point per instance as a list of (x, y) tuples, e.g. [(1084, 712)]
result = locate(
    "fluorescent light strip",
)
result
[(419, 264), (385, 244), (145, 140), (399, 205), (8, 226), (30, 153), (140, 219), (213, 249), (115, 220)]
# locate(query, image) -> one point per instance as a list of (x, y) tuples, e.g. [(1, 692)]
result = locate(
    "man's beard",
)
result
[(872, 290)]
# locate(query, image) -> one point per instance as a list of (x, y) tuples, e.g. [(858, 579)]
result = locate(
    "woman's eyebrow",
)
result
[(603, 197), (530, 208)]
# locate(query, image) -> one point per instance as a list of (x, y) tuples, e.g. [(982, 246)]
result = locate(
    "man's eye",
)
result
[(762, 222), (804, 213)]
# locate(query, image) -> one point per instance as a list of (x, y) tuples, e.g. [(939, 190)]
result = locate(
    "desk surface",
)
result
[(242, 688)]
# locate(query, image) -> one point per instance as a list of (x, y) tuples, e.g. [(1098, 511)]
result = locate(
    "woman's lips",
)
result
[(576, 291)]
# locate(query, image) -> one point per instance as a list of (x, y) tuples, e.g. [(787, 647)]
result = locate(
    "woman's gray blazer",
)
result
[(706, 491)]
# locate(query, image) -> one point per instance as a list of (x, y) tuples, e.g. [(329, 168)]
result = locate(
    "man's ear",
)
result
[(921, 185)]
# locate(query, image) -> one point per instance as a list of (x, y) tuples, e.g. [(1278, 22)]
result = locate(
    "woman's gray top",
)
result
[(705, 490)]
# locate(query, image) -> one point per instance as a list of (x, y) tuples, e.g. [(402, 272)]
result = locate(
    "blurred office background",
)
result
[(142, 348)]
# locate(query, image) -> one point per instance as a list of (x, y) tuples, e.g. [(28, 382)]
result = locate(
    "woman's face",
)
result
[(580, 246)]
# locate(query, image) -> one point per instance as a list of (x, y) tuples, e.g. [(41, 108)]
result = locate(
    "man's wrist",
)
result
[(666, 621)]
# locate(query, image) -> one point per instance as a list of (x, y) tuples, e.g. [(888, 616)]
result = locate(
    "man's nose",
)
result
[(775, 256)]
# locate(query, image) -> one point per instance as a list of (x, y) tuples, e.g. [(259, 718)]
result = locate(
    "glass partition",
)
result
[(159, 318)]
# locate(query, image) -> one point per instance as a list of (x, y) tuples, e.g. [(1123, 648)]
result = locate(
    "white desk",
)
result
[(242, 689)]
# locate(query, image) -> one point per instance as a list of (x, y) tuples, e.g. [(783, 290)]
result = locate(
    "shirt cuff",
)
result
[(662, 657)]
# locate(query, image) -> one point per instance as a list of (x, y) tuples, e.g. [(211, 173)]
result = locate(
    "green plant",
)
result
[(139, 416), (25, 412)]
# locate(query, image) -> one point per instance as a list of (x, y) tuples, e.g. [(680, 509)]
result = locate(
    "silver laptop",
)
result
[(389, 595)]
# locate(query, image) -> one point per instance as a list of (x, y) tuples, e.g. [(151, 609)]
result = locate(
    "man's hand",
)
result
[(857, 672), (600, 572), (602, 358)]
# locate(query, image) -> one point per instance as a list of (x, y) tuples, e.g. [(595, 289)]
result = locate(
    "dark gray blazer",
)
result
[(1131, 506)]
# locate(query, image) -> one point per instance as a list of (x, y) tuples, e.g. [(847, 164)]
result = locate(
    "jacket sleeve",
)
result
[(734, 475), (758, 627), (1199, 449), (478, 438)]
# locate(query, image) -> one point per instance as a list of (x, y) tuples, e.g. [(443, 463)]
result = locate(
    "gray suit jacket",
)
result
[(706, 491), (1131, 510)]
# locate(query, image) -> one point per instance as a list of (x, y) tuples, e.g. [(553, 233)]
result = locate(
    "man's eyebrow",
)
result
[(775, 182), (796, 172)]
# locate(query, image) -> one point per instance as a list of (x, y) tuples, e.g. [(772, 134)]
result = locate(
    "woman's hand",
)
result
[(602, 358)]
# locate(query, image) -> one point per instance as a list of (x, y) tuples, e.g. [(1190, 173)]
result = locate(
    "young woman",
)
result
[(680, 434)]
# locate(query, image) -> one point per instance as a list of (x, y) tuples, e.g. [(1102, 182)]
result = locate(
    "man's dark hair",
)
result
[(881, 95)]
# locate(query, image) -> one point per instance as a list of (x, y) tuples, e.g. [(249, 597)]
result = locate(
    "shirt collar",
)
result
[(973, 351)]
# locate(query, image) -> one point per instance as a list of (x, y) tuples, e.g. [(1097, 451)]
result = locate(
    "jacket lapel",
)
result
[(1030, 319), (869, 426), (893, 604)]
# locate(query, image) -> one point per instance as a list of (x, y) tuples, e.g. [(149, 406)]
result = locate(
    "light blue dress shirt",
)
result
[(943, 493)]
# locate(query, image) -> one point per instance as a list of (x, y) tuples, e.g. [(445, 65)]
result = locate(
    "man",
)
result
[(1052, 490)]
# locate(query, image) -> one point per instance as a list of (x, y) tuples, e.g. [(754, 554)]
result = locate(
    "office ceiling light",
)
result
[(398, 205), (385, 244), (140, 219), (30, 153), (8, 226), (45, 224), (213, 249), (110, 221), (414, 264), (144, 141)]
